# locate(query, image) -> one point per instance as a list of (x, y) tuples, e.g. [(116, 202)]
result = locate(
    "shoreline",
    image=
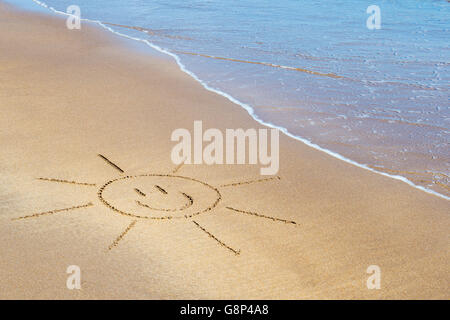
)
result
[(250, 110), (68, 96)]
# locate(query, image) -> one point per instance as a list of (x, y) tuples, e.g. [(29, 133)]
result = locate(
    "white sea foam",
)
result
[(248, 108)]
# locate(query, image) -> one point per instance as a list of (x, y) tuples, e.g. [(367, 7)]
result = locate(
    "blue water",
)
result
[(379, 97)]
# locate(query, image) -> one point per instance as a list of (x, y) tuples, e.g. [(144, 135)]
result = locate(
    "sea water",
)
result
[(377, 96)]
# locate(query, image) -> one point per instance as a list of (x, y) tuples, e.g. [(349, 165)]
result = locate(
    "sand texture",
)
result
[(85, 120)]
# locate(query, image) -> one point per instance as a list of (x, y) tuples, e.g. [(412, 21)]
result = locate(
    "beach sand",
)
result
[(67, 96)]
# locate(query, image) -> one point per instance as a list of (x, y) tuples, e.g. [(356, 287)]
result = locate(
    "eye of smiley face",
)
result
[(158, 196)]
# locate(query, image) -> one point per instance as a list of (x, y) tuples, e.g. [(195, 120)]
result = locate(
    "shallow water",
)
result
[(379, 97)]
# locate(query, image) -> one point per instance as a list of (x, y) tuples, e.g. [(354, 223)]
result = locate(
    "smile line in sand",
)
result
[(140, 192)]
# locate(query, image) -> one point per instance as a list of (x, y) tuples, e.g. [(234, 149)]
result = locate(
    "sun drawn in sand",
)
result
[(157, 197)]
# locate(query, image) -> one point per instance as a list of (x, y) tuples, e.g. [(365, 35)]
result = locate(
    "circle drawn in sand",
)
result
[(159, 196)]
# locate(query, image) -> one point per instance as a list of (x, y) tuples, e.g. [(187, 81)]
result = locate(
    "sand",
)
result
[(67, 96)]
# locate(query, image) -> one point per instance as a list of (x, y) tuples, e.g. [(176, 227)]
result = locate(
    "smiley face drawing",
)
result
[(158, 197)]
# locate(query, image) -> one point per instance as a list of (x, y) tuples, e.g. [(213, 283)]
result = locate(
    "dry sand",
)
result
[(68, 95)]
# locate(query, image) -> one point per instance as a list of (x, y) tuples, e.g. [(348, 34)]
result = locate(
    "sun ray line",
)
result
[(112, 164), (178, 167), (236, 252), (36, 215), (139, 192), (120, 237), (262, 216), (249, 182), (67, 181)]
